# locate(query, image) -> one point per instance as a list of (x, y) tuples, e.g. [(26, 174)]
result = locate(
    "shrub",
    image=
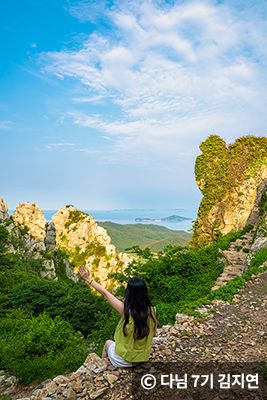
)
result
[(75, 303), (37, 348)]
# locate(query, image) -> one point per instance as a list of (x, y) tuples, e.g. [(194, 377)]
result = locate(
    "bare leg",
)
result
[(106, 347)]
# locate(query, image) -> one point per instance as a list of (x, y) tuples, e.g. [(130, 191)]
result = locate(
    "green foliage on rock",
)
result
[(74, 217), (219, 171)]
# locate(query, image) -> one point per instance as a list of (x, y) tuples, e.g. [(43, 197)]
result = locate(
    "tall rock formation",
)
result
[(3, 210), (28, 214), (72, 238), (26, 235), (232, 181), (87, 243)]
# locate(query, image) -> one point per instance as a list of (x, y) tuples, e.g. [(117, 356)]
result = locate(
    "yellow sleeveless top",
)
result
[(134, 350)]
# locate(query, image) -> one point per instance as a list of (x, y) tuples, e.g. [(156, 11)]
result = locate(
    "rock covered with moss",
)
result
[(87, 243), (228, 177), (28, 214)]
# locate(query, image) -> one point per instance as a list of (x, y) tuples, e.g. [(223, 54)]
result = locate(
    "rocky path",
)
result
[(235, 258), (233, 332)]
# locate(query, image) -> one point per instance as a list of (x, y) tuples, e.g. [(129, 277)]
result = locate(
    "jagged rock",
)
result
[(181, 318), (260, 243), (94, 363), (79, 234), (111, 378), (50, 238), (98, 393), (28, 214), (23, 243), (77, 387), (3, 211), (254, 217), (61, 380), (52, 387), (69, 272), (71, 395), (48, 270)]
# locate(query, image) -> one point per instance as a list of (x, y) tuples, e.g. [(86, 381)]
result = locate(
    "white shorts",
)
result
[(117, 360)]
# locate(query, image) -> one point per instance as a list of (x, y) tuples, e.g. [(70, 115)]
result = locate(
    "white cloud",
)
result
[(6, 125), (94, 99), (174, 72), (89, 151), (52, 145)]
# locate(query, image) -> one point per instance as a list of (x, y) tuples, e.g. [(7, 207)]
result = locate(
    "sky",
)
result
[(103, 104)]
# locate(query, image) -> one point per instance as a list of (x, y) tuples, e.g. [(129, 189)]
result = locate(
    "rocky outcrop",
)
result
[(26, 235), (232, 180), (240, 253), (254, 216), (69, 271), (3, 210), (49, 270), (87, 243), (28, 214), (50, 238), (83, 241), (21, 242), (259, 243)]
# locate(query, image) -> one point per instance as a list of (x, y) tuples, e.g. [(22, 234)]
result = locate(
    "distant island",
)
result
[(172, 218)]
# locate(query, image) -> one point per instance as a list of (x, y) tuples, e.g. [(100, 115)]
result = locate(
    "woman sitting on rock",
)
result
[(137, 326)]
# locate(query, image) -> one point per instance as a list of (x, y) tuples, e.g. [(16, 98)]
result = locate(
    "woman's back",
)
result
[(134, 350)]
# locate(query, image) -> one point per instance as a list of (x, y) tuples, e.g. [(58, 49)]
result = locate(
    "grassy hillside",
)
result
[(153, 236)]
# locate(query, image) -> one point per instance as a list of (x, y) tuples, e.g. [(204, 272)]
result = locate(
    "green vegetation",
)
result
[(78, 257), (219, 171), (263, 205), (152, 236), (75, 303), (37, 348), (47, 327), (74, 218), (43, 323), (180, 279)]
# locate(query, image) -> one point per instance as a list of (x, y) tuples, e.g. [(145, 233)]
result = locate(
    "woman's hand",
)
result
[(113, 301), (85, 274)]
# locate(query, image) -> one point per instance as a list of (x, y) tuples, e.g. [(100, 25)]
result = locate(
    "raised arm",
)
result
[(113, 301), (155, 327)]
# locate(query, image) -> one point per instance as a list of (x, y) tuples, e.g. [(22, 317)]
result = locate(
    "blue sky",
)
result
[(104, 104)]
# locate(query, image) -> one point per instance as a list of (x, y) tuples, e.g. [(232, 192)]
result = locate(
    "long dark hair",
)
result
[(137, 302)]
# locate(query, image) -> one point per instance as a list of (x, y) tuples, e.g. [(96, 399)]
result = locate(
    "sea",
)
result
[(128, 216)]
